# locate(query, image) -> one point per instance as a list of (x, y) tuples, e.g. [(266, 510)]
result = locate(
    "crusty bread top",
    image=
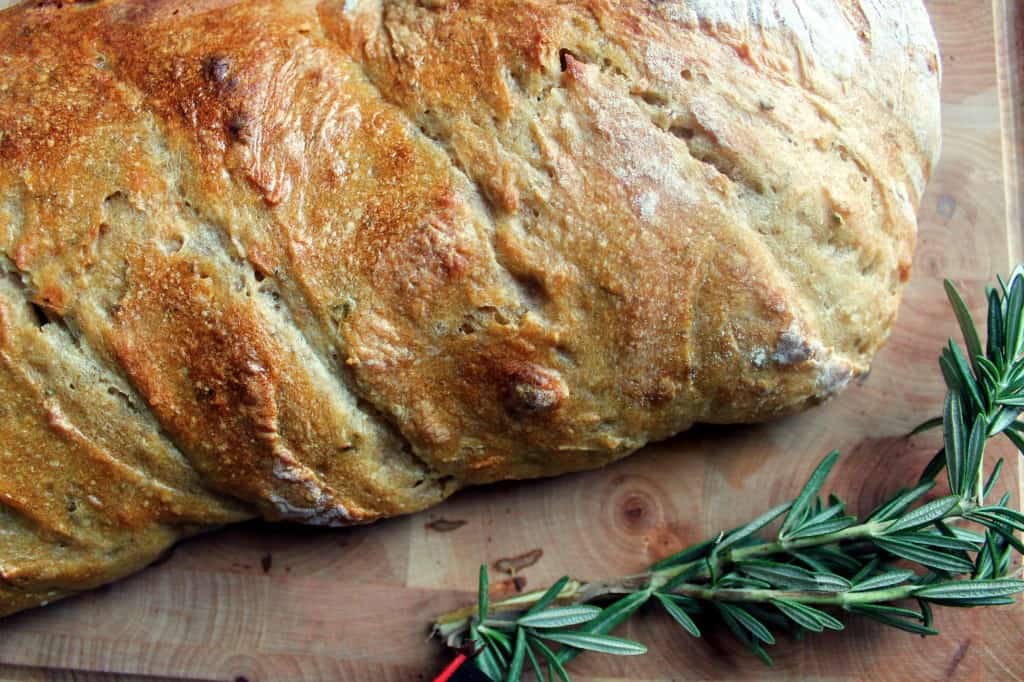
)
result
[(330, 261)]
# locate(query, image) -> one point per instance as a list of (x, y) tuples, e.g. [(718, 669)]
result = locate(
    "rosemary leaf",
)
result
[(985, 562), (554, 665), (1016, 438), (831, 512), (1003, 419), (994, 345), (865, 570), (483, 594), (737, 581), (939, 541), (949, 373), (988, 370), (1008, 535), (560, 617), (798, 510), (967, 380), (1000, 551), (838, 558), (487, 660), (922, 555), (1013, 324), (934, 468), (762, 654), (993, 478), (604, 644), (810, 561), (685, 556), (532, 657), (806, 616), (748, 530), (609, 619), (975, 453), (788, 576), (498, 639), (901, 502), (1002, 515), (899, 623), (926, 425), (827, 528), (550, 596), (963, 317), (680, 616), (515, 668), (924, 515), (744, 636), (964, 534), (747, 621), (883, 580), (980, 601), (970, 589), (953, 436)]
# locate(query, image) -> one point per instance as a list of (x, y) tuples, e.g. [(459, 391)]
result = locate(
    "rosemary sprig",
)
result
[(906, 551)]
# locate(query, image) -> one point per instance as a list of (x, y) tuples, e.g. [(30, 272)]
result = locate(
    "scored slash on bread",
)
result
[(331, 261)]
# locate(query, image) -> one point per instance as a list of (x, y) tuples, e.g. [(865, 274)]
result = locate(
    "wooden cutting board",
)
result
[(260, 603)]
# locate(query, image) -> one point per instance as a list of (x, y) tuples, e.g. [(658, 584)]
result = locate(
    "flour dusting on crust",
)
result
[(890, 42)]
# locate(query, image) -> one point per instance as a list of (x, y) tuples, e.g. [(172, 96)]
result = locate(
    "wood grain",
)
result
[(261, 602)]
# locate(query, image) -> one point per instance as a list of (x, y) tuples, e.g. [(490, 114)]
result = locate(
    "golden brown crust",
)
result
[(330, 261)]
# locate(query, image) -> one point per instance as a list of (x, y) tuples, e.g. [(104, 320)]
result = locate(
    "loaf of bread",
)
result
[(330, 261)]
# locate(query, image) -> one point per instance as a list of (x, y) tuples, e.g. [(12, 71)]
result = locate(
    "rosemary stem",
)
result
[(858, 532), (822, 598), (577, 592), (521, 602)]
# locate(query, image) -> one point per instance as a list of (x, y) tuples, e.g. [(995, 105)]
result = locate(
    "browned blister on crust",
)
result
[(330, 261)]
